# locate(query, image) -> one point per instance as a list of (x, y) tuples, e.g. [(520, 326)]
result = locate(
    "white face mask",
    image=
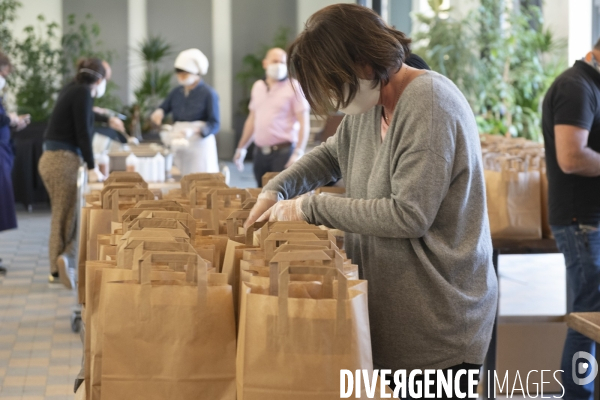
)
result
[(190, 80), (101, 89), (277, 71), (2, 82), (365, 98)]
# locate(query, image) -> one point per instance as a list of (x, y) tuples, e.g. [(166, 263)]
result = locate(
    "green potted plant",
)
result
[(37, 72), (503, 69), (8, 14), (155, 84)]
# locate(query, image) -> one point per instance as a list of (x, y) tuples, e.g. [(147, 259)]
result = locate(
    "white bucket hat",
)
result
[(193, 61)]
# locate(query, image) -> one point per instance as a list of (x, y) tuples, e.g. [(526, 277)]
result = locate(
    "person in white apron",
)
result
[(195, 109)]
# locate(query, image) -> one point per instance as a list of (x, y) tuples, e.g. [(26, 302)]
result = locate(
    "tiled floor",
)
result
[(40, 356)]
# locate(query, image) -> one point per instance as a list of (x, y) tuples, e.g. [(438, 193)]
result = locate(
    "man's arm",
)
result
[(572, 152), (248, 132)]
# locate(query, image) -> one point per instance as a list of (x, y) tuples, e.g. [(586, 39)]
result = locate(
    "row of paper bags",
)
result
[(183, 303), (516, 187)]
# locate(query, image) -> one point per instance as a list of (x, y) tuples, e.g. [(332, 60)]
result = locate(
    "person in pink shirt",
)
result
[(278, 122)]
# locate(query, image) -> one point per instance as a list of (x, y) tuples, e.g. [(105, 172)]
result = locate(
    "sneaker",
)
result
[(53, 278), (62, 262)]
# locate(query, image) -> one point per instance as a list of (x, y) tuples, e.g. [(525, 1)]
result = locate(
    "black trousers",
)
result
[(274, 162), (464, 381)]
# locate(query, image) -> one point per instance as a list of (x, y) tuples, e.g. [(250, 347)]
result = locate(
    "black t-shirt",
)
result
[(72, 120), (573, 99)]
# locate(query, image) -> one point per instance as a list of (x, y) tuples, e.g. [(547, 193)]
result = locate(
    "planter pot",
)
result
[(27, 183)]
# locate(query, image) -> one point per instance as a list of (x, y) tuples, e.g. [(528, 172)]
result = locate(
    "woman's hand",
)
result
[(265, 201), (94, 175), (157, 116), (286, 210)]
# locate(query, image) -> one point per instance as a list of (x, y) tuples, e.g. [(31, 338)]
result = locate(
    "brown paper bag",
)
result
[(186, 218), (95, 319), (144, 223), (98, 224), (91, 305), (294, 348), (514, 201), (179, 341), (231, 269), (82, 253)]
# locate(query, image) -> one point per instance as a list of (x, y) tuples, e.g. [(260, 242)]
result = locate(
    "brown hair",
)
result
[(597, 45), (5, 61), (89, 70), (336, 45)]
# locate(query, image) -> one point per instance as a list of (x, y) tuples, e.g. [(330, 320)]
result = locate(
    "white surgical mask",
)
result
[(2, 82), (277, 71), (190, 80), (101, 89), (365, 98)]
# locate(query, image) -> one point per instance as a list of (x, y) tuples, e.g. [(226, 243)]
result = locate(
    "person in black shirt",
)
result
[(67, 140), (571, 126)]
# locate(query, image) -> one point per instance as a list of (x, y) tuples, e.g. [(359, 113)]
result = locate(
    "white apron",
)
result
[(199, 155), (191, 152)]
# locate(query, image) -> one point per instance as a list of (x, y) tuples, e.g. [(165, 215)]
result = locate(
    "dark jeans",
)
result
[(580, 244), (464, 381), (274, 162)]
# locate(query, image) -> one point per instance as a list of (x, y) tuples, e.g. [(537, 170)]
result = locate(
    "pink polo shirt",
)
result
[(275, 112)]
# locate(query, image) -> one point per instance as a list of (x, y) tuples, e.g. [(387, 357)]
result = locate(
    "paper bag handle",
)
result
[(213, 197), (282, 260), (283, 296), (270, 243), (234, 221), (197, 270), (139, 194), (250, 231)]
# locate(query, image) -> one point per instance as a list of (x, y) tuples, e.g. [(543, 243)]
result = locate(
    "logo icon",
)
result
[(583, 367)]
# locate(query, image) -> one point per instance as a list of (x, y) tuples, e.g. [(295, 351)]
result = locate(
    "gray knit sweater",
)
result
[(416, 223)]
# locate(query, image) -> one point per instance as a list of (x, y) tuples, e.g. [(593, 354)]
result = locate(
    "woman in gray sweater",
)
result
[(415, 210)]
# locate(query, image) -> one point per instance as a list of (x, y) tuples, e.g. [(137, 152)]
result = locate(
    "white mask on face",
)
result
[(277, 71), (2, 82), (365, 98), (190, 80), (101, 89)]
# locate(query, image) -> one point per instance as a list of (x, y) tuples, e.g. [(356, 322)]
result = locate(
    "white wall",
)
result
[(222, 75), (137, 29), (580, 29), (28, 13), (306, 8), (556, 17)]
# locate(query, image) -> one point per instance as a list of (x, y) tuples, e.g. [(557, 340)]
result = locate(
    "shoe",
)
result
[(3, 270), (53, 278), (62, 262)]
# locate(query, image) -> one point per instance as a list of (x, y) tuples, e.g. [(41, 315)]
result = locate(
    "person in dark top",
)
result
[(195, 109), (67, 140), (8, 218), (571, 126)]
